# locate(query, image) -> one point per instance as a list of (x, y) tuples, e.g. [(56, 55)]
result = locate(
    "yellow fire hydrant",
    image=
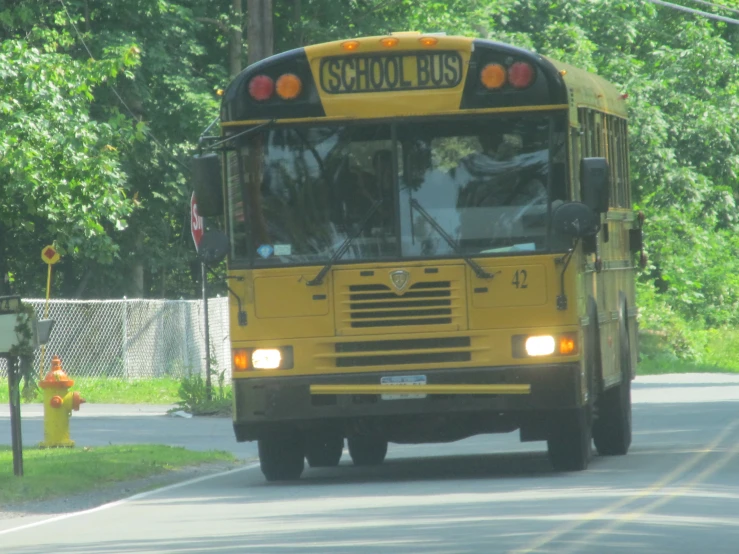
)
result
[(59, 402)]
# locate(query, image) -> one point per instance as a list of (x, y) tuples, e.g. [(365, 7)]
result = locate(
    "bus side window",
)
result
[(575, 138)]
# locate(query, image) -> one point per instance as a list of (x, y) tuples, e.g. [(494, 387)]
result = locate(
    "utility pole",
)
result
[(236, 39), (259, 30)]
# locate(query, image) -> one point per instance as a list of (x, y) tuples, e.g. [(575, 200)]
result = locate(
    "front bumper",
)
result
[(264, 405)]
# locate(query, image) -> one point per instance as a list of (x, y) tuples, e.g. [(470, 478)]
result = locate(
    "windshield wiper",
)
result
[(480, 272), (318, 279)]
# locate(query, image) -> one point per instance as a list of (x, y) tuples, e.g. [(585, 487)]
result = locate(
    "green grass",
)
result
[(102, 390), (716, 351), (661, 367), (59, 472)]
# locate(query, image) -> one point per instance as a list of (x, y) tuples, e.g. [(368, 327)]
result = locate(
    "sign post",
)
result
[(50, 256), (10, 308), (197, 228)]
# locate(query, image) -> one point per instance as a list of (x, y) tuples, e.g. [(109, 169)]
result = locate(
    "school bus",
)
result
[(429, 237)]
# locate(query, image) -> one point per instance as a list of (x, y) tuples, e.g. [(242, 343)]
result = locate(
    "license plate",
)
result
[(409, 380)]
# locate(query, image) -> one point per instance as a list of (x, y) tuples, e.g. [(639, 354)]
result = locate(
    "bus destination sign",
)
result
[(388, 73)]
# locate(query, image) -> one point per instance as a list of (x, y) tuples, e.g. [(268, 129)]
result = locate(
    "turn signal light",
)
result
[(261, 88), (521, 75), (389, 42), (240, 359), (289, 86), (567, 345), (350, 45), (428, 41), (493, 76)]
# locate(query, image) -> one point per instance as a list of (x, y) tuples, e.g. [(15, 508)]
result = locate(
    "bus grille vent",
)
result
[(399, 352), (376, 305)]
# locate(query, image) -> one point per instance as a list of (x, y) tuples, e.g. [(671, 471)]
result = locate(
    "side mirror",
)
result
[(213, 247), (575, 220), (206, 182), (594, 183)]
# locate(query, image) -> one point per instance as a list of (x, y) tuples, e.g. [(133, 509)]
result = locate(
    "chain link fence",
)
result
[(134, 339)]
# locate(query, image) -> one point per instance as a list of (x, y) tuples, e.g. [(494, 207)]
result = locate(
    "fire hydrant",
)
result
[(59, 402)]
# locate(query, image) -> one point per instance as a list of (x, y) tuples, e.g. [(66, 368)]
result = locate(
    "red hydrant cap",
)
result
[(56, 378), (56, 401), (77, 401)]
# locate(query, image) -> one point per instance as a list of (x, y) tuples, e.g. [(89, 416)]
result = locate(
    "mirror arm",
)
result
[(248, 132), (562, 298), (241, 314)]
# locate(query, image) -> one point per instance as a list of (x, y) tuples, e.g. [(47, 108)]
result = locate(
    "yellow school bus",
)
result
[(429, 237)]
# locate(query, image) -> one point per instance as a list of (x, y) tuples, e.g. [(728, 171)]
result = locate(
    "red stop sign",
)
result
[(197, 225)]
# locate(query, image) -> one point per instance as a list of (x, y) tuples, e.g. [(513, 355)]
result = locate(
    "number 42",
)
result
[(519, 279)]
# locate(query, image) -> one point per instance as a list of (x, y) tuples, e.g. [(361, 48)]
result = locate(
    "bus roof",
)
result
[(427, 74)]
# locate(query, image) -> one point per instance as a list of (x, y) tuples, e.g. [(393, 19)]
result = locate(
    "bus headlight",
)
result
[(540, 346), (249, 359), (266, 358), (531, 346)]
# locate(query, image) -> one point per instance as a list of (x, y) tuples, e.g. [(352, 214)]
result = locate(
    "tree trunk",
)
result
[(137, 279), (83, 284), (136, 288), (297, 18), (4, 282), (236, 40), (259, 30)]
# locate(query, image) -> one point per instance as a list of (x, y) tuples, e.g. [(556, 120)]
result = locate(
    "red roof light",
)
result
[(521, 75), (261, 88)]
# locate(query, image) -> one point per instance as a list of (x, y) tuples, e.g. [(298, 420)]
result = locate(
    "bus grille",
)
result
[(376, 305), (406, 351)]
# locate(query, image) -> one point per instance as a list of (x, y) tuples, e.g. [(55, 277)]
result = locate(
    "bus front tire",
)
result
[(612, 429), (324, 452), (367, 450), (281, 457), (569, 447)]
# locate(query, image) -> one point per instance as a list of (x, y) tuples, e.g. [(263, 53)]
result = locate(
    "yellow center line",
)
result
[(656, 486), (668, 497)]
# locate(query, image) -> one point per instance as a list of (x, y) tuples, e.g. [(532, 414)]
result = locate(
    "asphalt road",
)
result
[(677, 491)]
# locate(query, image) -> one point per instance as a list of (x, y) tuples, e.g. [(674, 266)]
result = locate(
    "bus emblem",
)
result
[(399, 279)]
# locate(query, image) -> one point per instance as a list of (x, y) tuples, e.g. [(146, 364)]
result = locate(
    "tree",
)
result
[(60, 175)]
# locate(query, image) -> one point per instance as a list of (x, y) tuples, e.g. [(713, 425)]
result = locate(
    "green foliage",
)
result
[(193, 393), (81, 170), (194, 399)]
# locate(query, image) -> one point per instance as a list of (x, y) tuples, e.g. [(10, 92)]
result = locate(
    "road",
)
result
[(676, 492)]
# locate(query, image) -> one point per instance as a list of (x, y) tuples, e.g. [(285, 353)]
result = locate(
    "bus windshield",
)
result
[(297, 193)]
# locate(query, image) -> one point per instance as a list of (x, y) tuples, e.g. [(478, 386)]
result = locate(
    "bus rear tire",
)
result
[(569, 447), (324, 451), (367, 450), (281, 457)]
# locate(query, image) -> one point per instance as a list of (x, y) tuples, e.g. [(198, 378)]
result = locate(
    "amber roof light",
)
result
[(289, 86), (493, 76)]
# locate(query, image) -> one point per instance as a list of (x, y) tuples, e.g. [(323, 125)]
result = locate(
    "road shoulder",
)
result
[(14, 515)]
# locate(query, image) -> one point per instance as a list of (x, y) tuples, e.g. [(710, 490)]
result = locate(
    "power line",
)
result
[(695, 12), (120, 98), (719, 6)]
